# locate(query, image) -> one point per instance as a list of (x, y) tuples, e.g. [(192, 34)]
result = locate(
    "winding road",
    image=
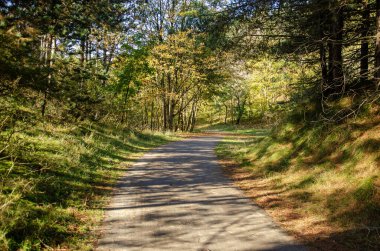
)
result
[(176, 198)]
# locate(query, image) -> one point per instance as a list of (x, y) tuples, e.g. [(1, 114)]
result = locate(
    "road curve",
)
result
[(176, 198)]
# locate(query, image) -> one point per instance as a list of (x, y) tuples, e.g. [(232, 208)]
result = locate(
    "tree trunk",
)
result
[(164, 103), (50, 52), (180, 117), (184, 119), (87, 56), (83, 50), (226, 115), (146, 117), (322, 58), (335, 74), (165, 112), (151, 115), (171, 114), (193, 118), (364, 42), (241, 107), (377, 49)]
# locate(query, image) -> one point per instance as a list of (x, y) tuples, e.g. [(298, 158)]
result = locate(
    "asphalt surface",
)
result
[(176, 198)]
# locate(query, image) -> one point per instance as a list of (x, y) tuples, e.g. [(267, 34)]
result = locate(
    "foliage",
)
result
[(261, 90), (167, 65)]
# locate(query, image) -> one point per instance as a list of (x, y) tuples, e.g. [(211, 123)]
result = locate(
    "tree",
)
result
[(179, 78)]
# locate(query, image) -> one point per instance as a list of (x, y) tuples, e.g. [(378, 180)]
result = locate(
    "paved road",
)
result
[(176, 198)]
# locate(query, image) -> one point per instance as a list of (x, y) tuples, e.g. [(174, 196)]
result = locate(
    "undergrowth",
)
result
[(321, 182), (56, 178)]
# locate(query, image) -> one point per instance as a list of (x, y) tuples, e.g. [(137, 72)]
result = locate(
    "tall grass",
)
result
[(316, 180), (55, 179)]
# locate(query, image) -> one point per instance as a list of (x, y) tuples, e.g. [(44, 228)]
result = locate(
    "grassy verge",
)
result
[(55, 180), (321, 183), (232, 129)]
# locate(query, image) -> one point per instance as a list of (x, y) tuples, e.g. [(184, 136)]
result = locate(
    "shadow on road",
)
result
[(176, 198)]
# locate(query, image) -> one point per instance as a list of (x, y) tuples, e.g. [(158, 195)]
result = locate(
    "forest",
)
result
[(88, 85)]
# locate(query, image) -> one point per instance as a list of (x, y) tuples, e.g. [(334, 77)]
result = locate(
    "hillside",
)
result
[(320, 182), (55, 180)]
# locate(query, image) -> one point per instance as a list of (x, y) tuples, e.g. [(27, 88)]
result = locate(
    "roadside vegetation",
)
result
[(55, 180), (319, 182), (85, 86), (234, 129)]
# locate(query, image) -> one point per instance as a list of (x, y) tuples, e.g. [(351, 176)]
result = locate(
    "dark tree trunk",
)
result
[(87, 51), (239, 116), (225, 117), (338, 48), (335, 73), (146, 117), (171, 114), (191, 121), (240, 112), (377, 49), (364, 42), (193, 118), (164, 104), (50, 50), (165, 113), (322, 53), (151, 115), (83, 50)]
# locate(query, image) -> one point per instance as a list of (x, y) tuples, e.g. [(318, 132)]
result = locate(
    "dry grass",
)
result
[(55, 179), (321, 184)]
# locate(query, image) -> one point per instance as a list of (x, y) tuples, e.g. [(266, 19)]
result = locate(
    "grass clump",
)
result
[(366, 190), (321, 182), (56, 178)]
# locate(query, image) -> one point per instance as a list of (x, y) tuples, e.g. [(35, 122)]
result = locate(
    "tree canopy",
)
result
[(154, 64)]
